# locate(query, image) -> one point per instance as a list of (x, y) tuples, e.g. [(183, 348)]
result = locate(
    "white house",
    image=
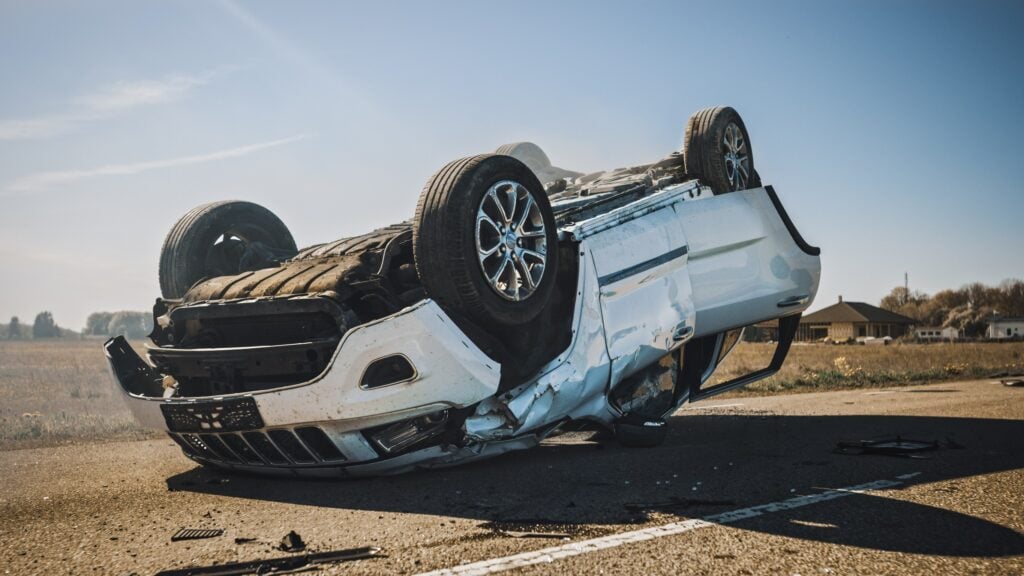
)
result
[(936, 333), (1003, 328)]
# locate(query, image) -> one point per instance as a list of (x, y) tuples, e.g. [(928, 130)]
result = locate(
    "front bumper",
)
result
[(318, 424)]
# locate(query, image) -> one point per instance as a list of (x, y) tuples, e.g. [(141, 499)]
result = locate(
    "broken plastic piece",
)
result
[(274, 565), (517, 534), (895, 446), (196, 534), (292, 542)]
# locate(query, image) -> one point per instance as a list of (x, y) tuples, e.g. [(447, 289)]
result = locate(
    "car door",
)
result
[(640, 256)]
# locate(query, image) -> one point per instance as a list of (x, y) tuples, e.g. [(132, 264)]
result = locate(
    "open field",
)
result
[(57, 392), (60, 392), (820, 367)]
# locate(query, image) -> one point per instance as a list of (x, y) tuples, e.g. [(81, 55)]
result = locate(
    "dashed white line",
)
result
[(548, 555)]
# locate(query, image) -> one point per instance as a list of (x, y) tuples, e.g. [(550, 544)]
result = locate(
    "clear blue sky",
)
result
[(892, 130)]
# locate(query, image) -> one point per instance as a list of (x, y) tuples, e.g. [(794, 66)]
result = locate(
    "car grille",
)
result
[(285, 447)]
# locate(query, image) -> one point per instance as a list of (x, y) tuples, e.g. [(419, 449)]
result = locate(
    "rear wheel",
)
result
[(485, 242), (717, 150), (219, 239)]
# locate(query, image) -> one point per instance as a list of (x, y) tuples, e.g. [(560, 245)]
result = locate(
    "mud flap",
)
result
[(693, 380)]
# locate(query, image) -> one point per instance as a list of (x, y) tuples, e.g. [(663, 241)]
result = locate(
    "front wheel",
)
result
[(485, 242)]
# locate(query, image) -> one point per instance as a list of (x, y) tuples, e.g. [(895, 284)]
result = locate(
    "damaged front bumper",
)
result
[(327, 424)]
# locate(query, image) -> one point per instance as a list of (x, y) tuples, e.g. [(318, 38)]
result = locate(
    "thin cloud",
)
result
[(45, 180), (123, 96), (109, 101), (40, 127)]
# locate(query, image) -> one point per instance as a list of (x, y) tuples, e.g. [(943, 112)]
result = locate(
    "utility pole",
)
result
[(906, 288)]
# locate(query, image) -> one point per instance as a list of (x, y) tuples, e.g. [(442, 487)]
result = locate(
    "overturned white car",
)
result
[(520, 300)]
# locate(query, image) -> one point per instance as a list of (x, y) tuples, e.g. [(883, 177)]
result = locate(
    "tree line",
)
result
[(969, 308), (43, 327), (129, 323)]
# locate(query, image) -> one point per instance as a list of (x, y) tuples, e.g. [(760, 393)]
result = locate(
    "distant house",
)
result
[(850, 320), (936, 333), (1004, 328)]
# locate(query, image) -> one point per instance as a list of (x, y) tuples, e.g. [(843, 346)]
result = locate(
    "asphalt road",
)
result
[(112, 508)]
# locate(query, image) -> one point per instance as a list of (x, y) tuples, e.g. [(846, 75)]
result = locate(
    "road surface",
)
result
[(741, 486)]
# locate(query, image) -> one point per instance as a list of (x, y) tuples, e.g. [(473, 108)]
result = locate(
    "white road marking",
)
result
[(548, 555), (713, 407)]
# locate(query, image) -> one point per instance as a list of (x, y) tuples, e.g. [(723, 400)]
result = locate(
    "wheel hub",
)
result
[(736, 156), (511, 240)]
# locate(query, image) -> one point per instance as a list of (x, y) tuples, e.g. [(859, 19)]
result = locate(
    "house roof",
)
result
[(1004, 319), (855, 312)]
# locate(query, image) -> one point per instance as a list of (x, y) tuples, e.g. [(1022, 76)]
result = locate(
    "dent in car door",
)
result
[(644, 284)]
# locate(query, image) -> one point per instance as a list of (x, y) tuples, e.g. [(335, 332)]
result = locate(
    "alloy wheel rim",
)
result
[(511, 240), (737, 158)]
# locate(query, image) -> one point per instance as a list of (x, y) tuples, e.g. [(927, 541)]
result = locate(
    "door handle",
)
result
[(794, 300)]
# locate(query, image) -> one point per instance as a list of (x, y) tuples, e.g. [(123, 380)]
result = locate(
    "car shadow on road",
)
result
[(710, 463)]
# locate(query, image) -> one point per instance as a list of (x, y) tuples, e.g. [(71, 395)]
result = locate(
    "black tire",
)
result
[(191, 251), (445, 237), (640, 432), (755, 182), (707, 156)]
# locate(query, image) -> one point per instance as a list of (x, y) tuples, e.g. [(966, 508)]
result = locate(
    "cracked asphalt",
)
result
[(111, 508)]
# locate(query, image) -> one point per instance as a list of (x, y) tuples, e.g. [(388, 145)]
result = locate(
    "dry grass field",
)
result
[(817, 367), (60, 392)]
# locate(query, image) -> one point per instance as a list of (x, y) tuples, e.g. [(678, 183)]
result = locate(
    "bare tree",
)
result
[(132, 325), (98, 323)]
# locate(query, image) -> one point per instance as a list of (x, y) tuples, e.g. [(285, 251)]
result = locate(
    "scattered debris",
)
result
[(538, 528), (1016, 380), (196, 534), (675, 503), (283, 565), (517, 534), (292, 542), (244, 540), (892, 446)]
